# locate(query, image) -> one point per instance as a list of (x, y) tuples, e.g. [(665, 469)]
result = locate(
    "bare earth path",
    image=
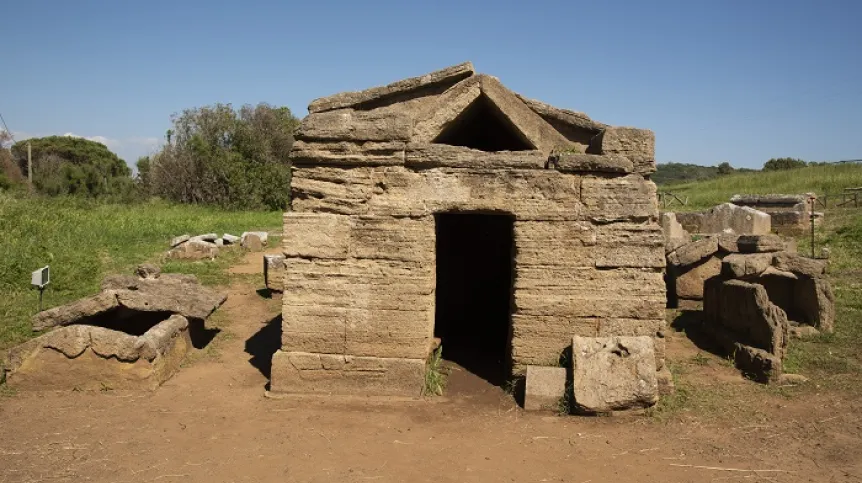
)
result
[(212, 423)]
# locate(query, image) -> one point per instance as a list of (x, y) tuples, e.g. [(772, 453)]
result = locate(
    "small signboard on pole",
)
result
[(40, 279)]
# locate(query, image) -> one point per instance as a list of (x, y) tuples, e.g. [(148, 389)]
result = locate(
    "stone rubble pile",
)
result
[(206, 246)]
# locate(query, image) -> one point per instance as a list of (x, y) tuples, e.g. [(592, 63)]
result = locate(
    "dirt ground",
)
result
[(213, 423)]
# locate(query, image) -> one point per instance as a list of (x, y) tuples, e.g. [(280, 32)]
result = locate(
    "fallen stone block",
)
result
[(148, 270), (262, 235), (689, 281), (760, 243), (740, 265), (545, 388), (613, 373), (206, 237), (273, 272), (194, 250), (793, 262), (693, 252), (252, 242), (178, 240), (230, 239)]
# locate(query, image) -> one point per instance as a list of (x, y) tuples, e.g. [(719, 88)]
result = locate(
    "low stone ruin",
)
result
[(132, 335), (606, 374), (696, 243), (790, 213), (759, 300), (206, 246)]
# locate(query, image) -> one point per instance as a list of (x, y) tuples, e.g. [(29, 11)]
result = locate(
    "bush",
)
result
[(778, 164), (65, 165), (226, 157)]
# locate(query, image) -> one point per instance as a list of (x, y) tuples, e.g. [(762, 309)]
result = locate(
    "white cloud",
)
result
[(113, 144)]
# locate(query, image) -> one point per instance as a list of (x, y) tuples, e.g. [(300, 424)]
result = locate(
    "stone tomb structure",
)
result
[(447, 208)]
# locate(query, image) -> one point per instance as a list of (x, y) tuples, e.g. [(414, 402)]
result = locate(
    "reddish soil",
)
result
[(212, 422)]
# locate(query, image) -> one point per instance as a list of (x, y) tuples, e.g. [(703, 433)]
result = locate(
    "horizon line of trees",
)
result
[(218, 155)]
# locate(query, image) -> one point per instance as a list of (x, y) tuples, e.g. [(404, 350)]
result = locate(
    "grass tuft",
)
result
[(435, 374)]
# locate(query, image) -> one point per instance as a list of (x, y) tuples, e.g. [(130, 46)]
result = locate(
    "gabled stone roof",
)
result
[(439, 107)]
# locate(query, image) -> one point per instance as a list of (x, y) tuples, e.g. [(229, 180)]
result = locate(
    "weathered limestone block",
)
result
[(86, 357), (619, 198), (744, 322), (638, 245), (760, 243), (194, 250), (174, 293), (536, 130), (348, 154), (387, 238), (316, 235), (568, 243), (425, 156), (815, 300), (544, 389), (727, 218), (308, 373), (178, 240), (689, 280), (331, 190), (449, 75), (350, 125), (613, 373), (252, 242), (575, 126), (578, 163), (360, 306), (638, 145), (739, 265), (528, 194), (438, 115), (693, 252), (793, 262), (77, 310), (674, 234)]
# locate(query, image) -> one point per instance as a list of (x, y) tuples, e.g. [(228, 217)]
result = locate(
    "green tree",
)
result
[(72, 165), (228, 157), (777, 164), (725, 168)]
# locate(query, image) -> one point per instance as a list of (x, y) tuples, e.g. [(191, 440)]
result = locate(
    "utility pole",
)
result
[(29, 164)]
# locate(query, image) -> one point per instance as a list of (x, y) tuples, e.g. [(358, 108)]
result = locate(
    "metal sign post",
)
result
[(40, 279), (813, 200)]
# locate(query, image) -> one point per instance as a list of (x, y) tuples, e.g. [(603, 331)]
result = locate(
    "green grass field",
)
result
[(817, 179), (84, 240)]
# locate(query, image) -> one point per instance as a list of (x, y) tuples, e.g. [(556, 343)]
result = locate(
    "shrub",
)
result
[(226, 157)]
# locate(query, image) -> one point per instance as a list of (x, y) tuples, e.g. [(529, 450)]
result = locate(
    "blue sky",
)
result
[(737, 81)]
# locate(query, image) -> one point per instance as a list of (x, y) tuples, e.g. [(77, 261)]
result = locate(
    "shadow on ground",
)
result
[(263, 344), (690, 322)]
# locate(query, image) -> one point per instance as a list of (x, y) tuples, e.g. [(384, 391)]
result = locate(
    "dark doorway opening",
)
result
[(474, 292), (482, 126)]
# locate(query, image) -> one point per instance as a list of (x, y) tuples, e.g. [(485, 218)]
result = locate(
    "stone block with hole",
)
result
[(544, 389), (613, 373)]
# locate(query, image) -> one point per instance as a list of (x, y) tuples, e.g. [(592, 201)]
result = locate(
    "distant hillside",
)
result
[(679, 172), (831, 178)]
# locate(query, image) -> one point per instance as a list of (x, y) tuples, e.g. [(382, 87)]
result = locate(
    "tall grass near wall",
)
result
[(830, 179), (85, 240)]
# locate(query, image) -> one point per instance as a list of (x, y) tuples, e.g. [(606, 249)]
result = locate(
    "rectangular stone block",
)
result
[(636, 144), (613, 373), (528, 194), (316, 235), (545, 388), (350, 125), (621, 198), (635, 245), (311, 373), (388, 238), (348, 154), (330, 190)]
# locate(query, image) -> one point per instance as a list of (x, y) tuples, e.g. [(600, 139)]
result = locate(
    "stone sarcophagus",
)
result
[(446, 209)]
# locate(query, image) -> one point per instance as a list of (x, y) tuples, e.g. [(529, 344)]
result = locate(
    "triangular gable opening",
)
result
[(484, 127)]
